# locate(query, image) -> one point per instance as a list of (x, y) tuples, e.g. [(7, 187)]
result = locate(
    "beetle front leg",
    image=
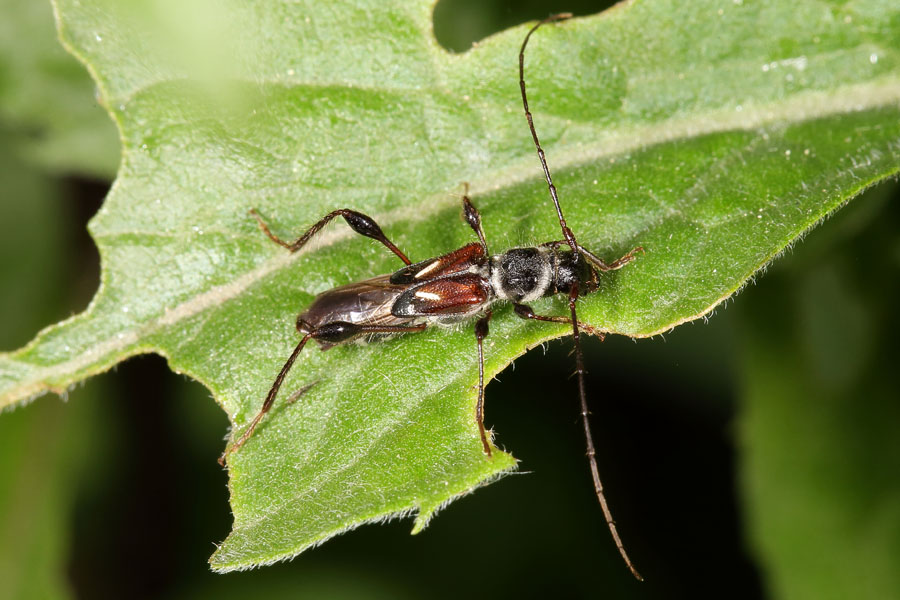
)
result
[(602, 266), (524, 311)]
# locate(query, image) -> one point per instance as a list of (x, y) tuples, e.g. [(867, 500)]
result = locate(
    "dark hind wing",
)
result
[(367, 302)]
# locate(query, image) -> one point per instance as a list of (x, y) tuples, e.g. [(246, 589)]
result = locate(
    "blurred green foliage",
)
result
[(48, 104), (34, 491), (819, 409)]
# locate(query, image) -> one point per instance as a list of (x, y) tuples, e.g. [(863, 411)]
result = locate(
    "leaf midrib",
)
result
[(800, 107)]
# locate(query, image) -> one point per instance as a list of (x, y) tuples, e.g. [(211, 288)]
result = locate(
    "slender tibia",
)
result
[(270, 399), (481, 331), (591, 452), (334, 332), (360, 223), (525, 312)]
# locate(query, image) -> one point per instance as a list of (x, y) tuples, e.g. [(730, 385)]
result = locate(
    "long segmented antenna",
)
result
[(591, 452), (573, 297), (567, 233)]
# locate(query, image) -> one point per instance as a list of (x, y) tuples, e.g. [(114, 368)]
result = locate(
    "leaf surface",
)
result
[(712, 134)]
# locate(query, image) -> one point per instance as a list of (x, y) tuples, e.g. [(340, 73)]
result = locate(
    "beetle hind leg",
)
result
[(334, 332), (358, 222)]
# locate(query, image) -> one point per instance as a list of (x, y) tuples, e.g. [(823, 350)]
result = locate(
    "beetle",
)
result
[(460, 285)]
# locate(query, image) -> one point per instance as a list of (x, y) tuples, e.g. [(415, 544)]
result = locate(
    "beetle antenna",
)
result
[(579, 252), (591, 451), (567, 233)]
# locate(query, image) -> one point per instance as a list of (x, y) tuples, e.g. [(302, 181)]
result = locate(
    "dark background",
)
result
[(120, 494)]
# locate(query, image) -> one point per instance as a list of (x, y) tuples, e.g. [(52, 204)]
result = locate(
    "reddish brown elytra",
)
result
[(461, 284)]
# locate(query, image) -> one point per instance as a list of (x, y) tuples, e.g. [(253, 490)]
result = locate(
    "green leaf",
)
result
[(712, 134)]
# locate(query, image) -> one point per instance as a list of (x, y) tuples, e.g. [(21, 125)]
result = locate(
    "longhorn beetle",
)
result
[(455, 286)]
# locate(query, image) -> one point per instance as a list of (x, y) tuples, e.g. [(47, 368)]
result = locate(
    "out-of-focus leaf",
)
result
[(819, 425), (47, 99), (34, 485)]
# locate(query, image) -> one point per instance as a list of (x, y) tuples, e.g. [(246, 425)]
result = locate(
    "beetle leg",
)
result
[(360, 223), (333, 333), (600, 265), (270, 399), (473, 218), (525, 312), (481, 331)]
